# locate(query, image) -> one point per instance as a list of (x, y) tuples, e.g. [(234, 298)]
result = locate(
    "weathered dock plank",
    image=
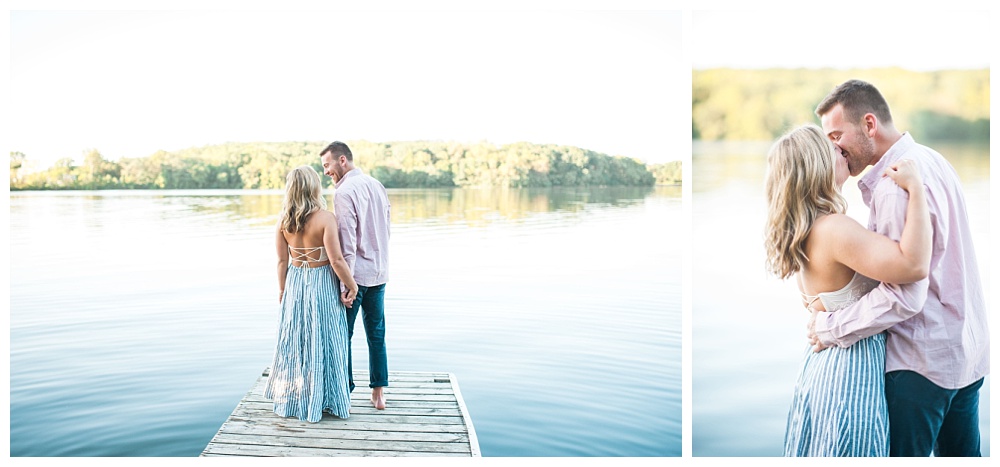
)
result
[(424, 416)]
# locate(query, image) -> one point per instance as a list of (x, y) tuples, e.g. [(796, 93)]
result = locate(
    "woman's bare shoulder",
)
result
[(323, 215), (321, 220), (829, 230), (838, 232), (834, 223)]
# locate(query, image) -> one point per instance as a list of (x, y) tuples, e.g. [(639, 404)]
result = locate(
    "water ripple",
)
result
[(142, 331)]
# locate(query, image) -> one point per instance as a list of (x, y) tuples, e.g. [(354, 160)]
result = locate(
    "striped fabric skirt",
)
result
[(309, 369), (839, 407)]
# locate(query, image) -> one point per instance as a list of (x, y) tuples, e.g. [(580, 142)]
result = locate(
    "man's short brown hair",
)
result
[(858, 98), (337, 149)]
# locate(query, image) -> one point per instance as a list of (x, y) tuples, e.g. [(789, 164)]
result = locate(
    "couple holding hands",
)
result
[(330, 266)]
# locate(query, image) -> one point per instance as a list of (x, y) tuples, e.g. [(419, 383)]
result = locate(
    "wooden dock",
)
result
[(424, 416)]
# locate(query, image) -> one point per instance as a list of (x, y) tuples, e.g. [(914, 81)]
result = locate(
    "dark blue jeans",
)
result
[(370, 302), (926, 418)]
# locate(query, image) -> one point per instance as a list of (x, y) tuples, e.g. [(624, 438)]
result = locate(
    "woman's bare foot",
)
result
[(378, 398)]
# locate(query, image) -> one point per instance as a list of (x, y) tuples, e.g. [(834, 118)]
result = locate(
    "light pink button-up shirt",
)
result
[(937, 326), (362, 208)]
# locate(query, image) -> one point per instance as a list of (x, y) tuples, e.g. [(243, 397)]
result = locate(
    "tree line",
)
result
[(419, 164), (759, 105)]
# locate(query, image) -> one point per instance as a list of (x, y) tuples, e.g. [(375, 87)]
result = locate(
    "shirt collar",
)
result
[(874, 175), (350, 173)]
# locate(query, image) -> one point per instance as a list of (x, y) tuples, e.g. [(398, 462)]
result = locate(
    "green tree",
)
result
[(16, 162), (97, 172), (397, 164), (668, 173), (758, 105)]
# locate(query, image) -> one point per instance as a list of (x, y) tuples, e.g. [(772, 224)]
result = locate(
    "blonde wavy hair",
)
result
[(303, 196), (800, 188)]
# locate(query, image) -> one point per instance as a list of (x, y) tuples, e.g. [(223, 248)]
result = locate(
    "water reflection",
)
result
[(163, 304), (717, 164), (483, 206), (474, 207)]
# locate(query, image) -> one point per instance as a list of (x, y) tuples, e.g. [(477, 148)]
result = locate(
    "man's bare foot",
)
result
[(378, 398)]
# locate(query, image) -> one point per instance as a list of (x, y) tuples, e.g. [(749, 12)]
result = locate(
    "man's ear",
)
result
[(871, 124)]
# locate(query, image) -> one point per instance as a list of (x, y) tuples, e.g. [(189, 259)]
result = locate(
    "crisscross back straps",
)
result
[(810, 299), (305, 255)]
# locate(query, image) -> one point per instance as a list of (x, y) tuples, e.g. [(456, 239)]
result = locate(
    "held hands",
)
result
[(347, 296), (906, 174)]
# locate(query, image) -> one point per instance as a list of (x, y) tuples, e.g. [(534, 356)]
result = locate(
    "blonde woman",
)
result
[(309, 370), (838, 407)]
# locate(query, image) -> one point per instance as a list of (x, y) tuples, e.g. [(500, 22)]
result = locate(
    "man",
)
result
[(937, 347), (362, 208)]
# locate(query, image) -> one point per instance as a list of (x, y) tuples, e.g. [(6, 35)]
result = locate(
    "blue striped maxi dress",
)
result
[(838, 407), (309, 370)]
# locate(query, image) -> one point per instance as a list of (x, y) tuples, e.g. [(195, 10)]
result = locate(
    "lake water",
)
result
[(748, 328), (139, 319)]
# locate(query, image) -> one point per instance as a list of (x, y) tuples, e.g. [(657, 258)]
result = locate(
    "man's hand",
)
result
[(818, 345), (347, 297)]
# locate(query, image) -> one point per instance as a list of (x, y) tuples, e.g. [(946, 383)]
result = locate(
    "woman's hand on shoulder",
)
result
[(906, 174)]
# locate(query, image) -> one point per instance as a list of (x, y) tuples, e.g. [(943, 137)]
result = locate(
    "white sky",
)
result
[(131, 83), (611, 76), (838, 37)]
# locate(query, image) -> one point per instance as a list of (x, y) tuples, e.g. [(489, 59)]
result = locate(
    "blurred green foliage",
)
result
[(668, 173), (417, 164), (755, 105)]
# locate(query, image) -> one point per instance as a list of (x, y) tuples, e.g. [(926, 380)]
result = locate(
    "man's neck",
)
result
[(344, 177), (883, 141)]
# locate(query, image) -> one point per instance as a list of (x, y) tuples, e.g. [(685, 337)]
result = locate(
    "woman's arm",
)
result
[(331, 242), (917, 241), (877, 256), (281, 245)]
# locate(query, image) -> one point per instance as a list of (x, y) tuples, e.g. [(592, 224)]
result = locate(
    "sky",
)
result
[(911, 38), (612, 77), (131, 83)]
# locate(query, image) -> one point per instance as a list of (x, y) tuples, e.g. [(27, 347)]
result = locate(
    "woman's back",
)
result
[(306, 248), (845, 296), (822, 273)]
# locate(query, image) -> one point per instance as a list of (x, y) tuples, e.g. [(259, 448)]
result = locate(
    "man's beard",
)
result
[(862, 156)]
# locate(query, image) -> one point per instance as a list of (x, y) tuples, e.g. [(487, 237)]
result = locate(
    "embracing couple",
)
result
[(330, 266), (899, 343)]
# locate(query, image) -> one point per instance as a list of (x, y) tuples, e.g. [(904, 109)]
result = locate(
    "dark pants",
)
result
[(925, 418), (370, 302)]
